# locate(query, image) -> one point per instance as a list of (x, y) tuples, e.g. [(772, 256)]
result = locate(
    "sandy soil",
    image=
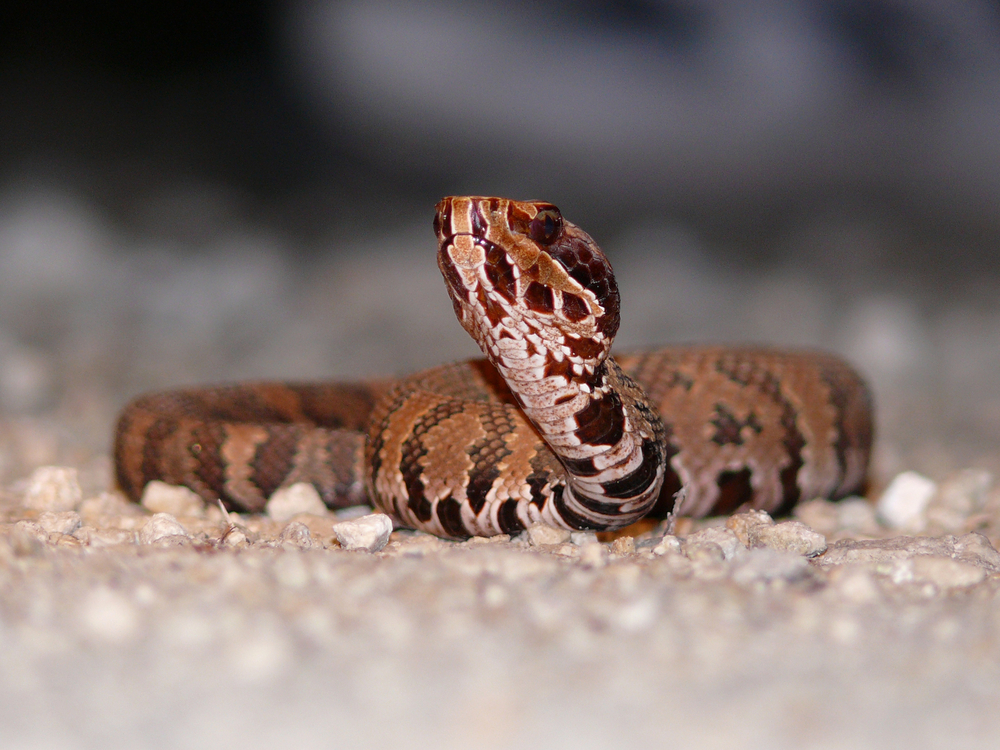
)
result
[(853, 625)]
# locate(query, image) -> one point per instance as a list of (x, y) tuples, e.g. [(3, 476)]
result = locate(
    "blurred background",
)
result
[(212, 191)]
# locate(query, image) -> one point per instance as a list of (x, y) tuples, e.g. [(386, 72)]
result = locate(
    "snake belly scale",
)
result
[(548, 427)]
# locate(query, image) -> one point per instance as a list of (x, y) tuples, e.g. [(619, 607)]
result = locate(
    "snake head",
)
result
[(519, 270)]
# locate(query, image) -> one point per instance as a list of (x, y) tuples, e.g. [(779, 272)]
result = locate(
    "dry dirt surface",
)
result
[(874, 622)]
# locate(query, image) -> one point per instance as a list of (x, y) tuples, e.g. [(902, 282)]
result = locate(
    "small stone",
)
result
[(54, 488), (541, 533), (94, 537), (668, 544), (704, 552), (160, 497), (288, 502), (764, 565), (623, 545), (745, 525), (237, 536), (65, 522), (971, 548), (366, 533), (904, 501), (160, 527), (724, 538), (296, 534), (790, 536), (581, 538)]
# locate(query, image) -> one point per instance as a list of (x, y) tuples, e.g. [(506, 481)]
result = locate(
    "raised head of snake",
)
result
[(539, 297)]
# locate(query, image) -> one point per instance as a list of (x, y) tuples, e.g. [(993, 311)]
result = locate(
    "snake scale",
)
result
[(548, 427)]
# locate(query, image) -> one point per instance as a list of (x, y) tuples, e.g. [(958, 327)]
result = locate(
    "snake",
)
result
[(548, 427)]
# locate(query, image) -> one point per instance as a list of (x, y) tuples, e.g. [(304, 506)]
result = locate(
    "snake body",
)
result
[(548, 427)]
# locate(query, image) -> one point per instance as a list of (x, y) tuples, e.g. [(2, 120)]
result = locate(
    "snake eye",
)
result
[(546, 226)]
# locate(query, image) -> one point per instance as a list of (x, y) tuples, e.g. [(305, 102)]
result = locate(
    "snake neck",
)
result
[(601, 427), (539, 297)]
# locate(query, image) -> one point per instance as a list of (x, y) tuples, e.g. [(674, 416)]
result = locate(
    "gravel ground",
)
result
[(868, 623)]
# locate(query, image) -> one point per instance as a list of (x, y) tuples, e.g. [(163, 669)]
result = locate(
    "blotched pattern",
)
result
[(547, 428)]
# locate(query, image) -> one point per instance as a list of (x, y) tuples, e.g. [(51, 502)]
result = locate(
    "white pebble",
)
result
[(725, 539), (669, 543), (54, 488), (64, 523), (904, 501), (791, 536), (581, 538), (288, 502), (296, 534), (368, 532), (161, 526), (541, 533), (160, 497), (94, 537)]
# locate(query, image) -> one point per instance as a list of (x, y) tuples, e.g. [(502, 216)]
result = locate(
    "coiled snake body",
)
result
[(547, 428)]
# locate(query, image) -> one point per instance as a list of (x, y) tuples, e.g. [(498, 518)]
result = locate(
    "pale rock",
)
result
[(94, 537), (790, 536), (667, 545), (66, 522), (160, 497), (974, 549), (237, 536), (296, 499), (541, 533), (904, 501), (296, 534), (623, 546), (160, 527), (53, 488), (369, 533), (725, 539), (704, 552), (746, 525), (582, 538), (765, 565)]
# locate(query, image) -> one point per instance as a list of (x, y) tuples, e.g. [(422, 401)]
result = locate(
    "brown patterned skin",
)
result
[(547, 428)]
